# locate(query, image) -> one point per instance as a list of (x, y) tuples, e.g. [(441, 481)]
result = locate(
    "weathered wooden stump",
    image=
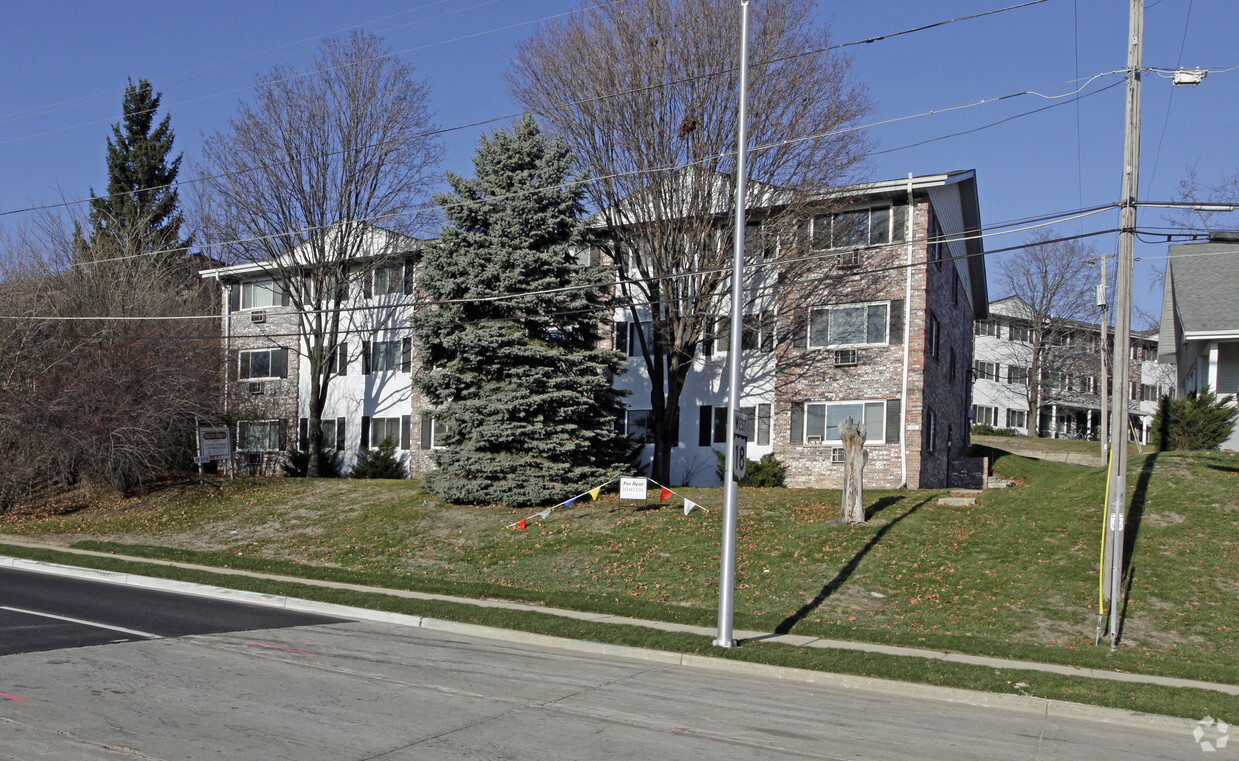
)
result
[(854, 455)]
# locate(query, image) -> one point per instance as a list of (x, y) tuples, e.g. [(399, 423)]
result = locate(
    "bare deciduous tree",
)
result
[(1056, 283), (303, 174), (646, 95)]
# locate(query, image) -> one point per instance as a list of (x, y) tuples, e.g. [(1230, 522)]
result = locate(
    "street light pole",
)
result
[(727, 564)]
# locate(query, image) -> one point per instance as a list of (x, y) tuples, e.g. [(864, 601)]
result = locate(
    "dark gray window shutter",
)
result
[(722, 333), (894, 423), (899, 224), (406, 356), (404, 431), (720, 425), (763, 424), (367, 280), (283, 286), (800, 329), (797, 432), (895, 333), (427, 431), (340, 439), (243, 365), (283, 430), (234, 297), (707, 421), (621, 337), (767, 331), (707, 341), (365, 431), (342, 359), (304, 434), (365, 357), (408, 280), (279, 363)]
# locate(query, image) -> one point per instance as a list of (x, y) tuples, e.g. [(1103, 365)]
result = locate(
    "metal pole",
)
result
[(727, 571), (1122, 316), (1105, 379)]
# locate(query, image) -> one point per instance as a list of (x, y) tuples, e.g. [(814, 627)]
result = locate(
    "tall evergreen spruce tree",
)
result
[(139, 213), (522, 389)]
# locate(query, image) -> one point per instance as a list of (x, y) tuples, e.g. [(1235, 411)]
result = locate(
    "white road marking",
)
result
[(83, 622)]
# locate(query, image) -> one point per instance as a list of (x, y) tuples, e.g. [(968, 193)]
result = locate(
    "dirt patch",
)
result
[(1162, 519)]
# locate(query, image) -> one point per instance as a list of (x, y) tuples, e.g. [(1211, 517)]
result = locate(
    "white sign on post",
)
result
[(740, 447), (215, 443), (632, 488)]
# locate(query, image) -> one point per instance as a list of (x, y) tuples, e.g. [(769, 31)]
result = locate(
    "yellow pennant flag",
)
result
[(594, 492)]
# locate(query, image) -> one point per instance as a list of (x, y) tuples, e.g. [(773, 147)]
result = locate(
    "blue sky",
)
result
[(66, 65)]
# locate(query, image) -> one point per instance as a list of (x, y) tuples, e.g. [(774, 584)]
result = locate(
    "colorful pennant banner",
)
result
[(664, 494)]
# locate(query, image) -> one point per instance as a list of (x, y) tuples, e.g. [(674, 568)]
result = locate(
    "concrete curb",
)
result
[(1019, 703)]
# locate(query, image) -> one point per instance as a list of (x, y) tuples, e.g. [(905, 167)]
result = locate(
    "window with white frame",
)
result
[(383, 428), (262, 294), (985, 328), (983, 415), (1022, 333), (260, 435), (986, 370), (388, 279), (848, 229), (933, 329), (849, 325), (384, 356), (1017, 419), (1017, 375), (639, 426), (821, 420), (262, 363)]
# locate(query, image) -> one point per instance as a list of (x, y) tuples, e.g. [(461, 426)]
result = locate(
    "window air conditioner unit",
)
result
[(258, 317), (813, 439), (837, 454), (850, 258), (253, 459), (257, 387), (846, 358)]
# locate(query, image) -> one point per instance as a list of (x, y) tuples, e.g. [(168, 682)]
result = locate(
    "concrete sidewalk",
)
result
[(795, 640)]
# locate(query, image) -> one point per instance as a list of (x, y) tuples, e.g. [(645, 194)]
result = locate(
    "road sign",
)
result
[(740, 446)]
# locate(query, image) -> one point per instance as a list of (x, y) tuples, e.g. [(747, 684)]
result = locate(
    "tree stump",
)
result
[(855, 456)]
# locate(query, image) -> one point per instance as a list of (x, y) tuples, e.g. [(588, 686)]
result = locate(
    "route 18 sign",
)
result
[(740, 447)]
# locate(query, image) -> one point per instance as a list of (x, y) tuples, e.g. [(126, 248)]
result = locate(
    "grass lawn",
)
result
[(1014, 576)]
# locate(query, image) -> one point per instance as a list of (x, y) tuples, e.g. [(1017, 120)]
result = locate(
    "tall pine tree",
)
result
[(139, 213), (522, 389)]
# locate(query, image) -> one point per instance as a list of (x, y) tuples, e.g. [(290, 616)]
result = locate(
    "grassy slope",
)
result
[(1014, 576)]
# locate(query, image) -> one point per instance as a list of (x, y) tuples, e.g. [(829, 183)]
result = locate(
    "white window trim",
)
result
[(872, 438), (886, 327), (246, 352), (832, 216), (249, 285), (241, 438), (398, 435)]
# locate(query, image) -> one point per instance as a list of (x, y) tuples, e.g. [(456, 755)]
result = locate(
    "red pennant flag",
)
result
[(662, 495), (521, 524)]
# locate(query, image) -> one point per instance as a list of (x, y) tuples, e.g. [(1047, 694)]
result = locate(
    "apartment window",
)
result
[(628, 340), (1017, 375), (1017, 419), (862, 227), (759, 240), (333, 433), (758, 332), (952, 364), (713, 425), (262, 294), (639, 426), (955, 291), (821, 421), (983, 415), (986, 370), (382, 428), (938, 249), (851, 325), (1148, 393), (260, 435), (1021, 333), (931, 340), (931, 429), (985, 328), (434, 431), (388, 279), (388, 356), (263, 363)]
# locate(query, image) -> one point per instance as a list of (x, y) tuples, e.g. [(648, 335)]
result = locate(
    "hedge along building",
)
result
[(873, 322), (370, 394)]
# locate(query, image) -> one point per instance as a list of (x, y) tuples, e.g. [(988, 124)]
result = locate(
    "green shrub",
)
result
[(982, 429), (379, 462), (767, 471), (298, 465), (1197, 421)]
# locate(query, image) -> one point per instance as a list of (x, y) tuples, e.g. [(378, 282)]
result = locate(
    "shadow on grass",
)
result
[(1131, 531), (846, 572), (1223, 468)]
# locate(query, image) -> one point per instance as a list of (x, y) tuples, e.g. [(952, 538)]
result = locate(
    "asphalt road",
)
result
[(366, 690)]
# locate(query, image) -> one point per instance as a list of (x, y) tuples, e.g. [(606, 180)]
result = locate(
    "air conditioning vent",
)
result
[(257, 387), (837, 454), (258, 316), (813, 439), (846, 358), (850, 258)]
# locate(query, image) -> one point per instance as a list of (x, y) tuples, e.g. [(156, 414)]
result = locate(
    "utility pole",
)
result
[(1117, 513), (734, 470)]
